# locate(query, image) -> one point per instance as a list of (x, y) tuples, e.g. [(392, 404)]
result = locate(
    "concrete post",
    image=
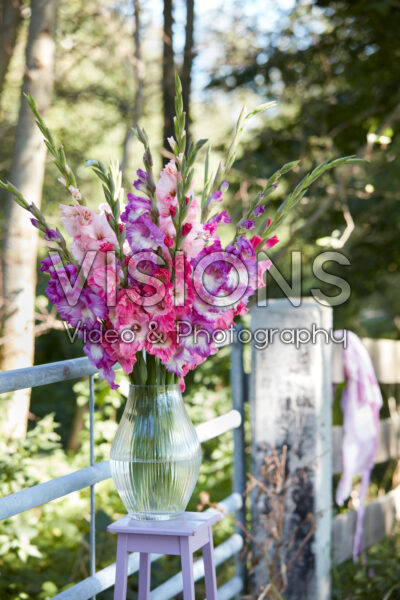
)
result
[(290, 395)]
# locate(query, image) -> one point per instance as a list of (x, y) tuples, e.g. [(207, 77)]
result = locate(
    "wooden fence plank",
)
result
[(379, 519), (290, 405), (385, 356), (389, 443)]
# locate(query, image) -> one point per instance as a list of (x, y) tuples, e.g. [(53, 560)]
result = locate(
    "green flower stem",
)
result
[(68, 178), (148, 164), (149, 370), (113, 193), (224, 168), (42, 223), (185, 159), (302, 188)]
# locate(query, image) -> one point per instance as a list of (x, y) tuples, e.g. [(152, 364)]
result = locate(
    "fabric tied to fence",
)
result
[(361, 404)]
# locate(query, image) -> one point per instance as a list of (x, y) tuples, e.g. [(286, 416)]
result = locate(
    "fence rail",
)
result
[(20, 379), (48, 491), (388, 445), (381, 514), (78, 480), (385, 356), (379, 519)]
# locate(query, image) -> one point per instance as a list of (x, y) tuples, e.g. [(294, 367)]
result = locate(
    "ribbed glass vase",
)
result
[(156, 455)]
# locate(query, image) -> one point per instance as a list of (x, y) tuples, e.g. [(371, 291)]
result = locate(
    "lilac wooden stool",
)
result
[(181, 536)]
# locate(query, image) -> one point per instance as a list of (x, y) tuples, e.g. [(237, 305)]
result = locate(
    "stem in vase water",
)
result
[(149, 370)]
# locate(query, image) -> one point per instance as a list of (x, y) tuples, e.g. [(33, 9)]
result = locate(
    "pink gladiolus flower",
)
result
[(271, 242), (194, 239), (166, 190), (256, 241), (186, 228), (142, 292)]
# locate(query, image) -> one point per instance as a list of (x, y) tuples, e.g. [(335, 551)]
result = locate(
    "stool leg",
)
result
[(121, 568), (209, 568), (144, 577), (187, 569)]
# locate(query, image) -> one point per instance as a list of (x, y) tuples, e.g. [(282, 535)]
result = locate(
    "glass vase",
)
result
[(156, 455)]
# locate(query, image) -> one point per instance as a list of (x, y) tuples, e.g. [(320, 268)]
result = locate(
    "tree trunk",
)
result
[(10, 21), (168, 82), (20, 238), (78, 425), (139, 70), (188, 62)]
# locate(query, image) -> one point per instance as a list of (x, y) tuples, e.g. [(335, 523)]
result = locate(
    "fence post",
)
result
[(239, 453), (290, 404)]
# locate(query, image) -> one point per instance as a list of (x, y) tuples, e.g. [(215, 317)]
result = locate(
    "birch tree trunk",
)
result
[(20, 239), (168, 75), (10, 11), (188, 55)]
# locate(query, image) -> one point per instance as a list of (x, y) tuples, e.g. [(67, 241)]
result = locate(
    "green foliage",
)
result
[(336, 87), (56, 150), (34, 544), (334, 67), (375, 578), (303, 186)]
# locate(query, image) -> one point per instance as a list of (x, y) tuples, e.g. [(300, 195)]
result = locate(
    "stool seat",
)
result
[(186, 524), (180, 536)]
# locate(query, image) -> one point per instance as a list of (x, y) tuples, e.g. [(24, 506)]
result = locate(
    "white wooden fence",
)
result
[(290, 392), (291, 405), (380, 514)]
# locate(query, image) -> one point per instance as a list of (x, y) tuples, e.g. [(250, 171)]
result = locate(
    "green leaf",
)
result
[(302, 187), (261, 108)]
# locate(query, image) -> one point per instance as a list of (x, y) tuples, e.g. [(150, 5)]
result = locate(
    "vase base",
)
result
[(154, 516)]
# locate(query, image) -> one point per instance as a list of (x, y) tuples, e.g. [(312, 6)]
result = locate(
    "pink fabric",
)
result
[(361, 403)]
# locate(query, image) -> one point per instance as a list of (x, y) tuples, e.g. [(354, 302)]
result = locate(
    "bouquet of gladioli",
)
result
[(149, 285)]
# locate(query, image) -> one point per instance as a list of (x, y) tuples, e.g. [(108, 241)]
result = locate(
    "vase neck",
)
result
[(153, 396)]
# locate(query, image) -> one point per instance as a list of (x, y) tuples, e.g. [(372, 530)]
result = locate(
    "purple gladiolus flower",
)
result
[(259, 210), (142, 175), (100, 358), (249, 224), (217, 196), (51, 235), (85, 312), (35, 223), (141, 183), (143, 234), (136, 207), (224, 186), (221, 217), (47, 265)]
